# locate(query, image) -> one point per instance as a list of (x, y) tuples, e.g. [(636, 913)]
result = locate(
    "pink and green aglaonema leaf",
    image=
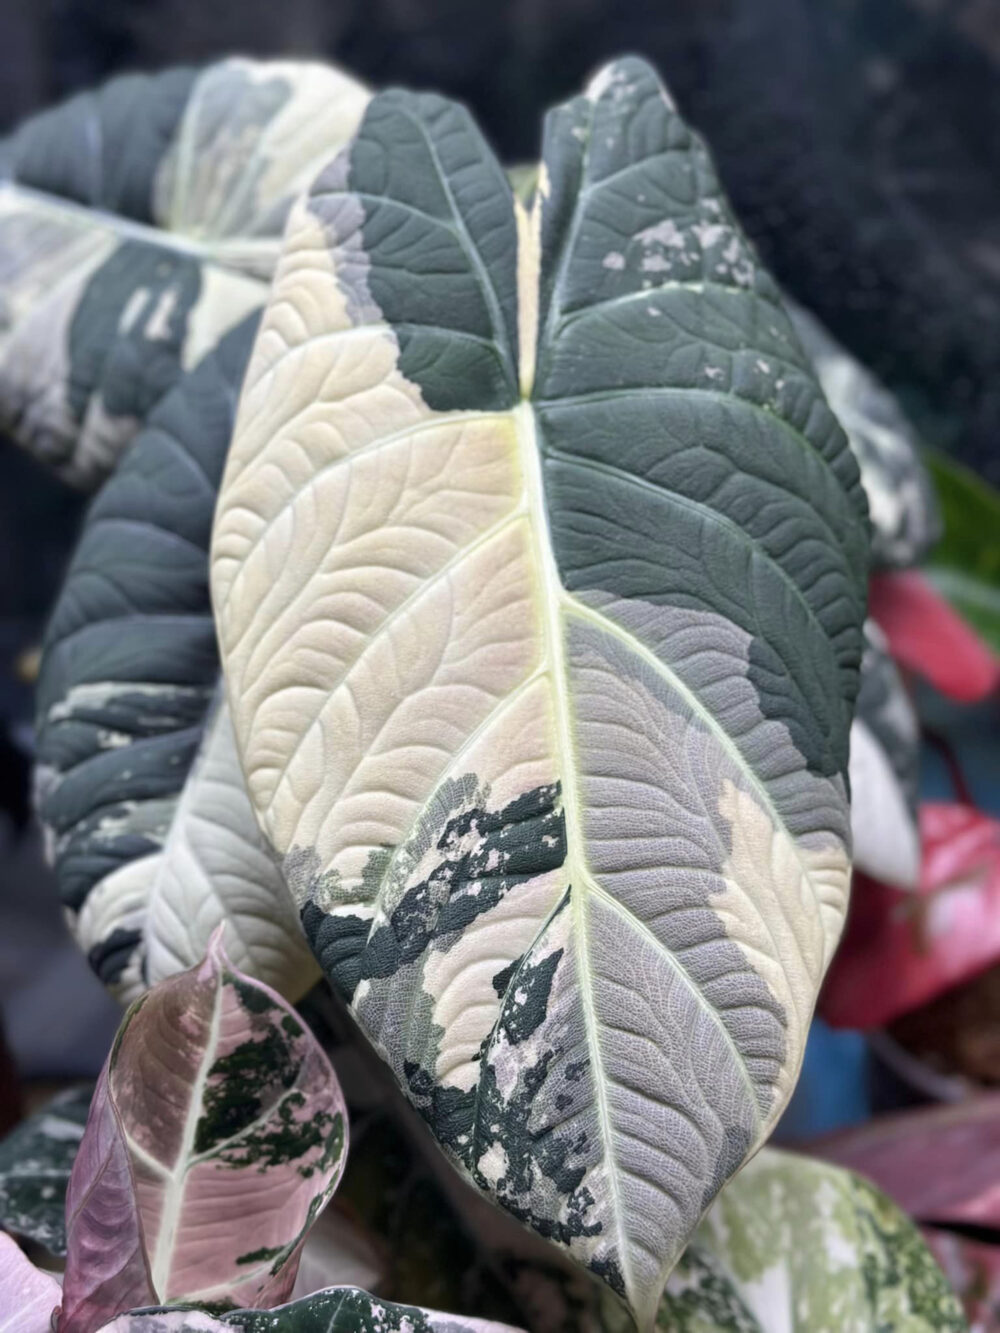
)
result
[(217, 1133), (27, 1295), (902, 949)]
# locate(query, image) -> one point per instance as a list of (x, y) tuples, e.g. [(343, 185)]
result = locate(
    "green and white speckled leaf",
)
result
[(138, 784), (797, 1246), (901, 499), (35, 1161), (884, 770), (539, 571), (339, 1310), (138, 224)]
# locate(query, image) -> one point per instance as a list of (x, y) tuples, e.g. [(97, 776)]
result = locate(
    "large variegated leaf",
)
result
[(138, 224), (539, 575), (797, 1246), (148, 821), (216, 1135), (884, 770), (35, 1161), (901, 499)]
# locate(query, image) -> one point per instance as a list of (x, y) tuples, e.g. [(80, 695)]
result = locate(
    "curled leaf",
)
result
[(139, 223), (217, 1134)]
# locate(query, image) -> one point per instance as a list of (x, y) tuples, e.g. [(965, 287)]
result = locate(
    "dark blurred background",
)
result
[(859, 141)]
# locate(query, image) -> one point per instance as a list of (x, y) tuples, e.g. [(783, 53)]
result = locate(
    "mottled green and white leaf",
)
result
[(796, 1246), (138, 784), (539, 569), (35, 1161), (901, 500), (138, 224), (340, 1310)]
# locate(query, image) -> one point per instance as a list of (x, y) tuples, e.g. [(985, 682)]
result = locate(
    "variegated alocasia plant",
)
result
[(138, 785), (138, 224), (539, 573), (216, 1134)]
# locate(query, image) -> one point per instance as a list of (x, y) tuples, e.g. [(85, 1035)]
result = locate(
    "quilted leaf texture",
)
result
[(146, 814), (539, 572), (138, 224)]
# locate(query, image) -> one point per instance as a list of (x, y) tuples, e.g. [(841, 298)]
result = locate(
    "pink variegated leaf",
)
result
[(902, 949), (231, 1138), (28, 1296)]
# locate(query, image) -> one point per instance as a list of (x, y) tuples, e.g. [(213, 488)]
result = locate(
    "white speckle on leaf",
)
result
[(614, 259)]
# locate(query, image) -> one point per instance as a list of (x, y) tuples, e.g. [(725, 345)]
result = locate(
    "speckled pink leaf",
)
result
[(232, 1136), (27, 1295)]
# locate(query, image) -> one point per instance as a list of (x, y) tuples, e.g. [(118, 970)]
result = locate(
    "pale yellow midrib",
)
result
[(553, 659), (177, 1179)]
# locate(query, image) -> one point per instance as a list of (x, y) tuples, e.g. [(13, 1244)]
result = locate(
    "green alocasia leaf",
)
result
[(965, 564), (803, 1247), (35, 1161), (138, 224), (901, 500), (539, 572)]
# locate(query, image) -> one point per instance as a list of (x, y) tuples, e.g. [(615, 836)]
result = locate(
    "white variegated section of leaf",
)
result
[(215, 869), (884, 770), (885, 833), (186, 258), (252, 137), (118, 903)]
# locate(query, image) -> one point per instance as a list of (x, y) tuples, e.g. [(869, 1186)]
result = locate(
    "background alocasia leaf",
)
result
[(217, 1133), (35, 1161), (138, 784), (539, 570), (138, 224), (901, 499)]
